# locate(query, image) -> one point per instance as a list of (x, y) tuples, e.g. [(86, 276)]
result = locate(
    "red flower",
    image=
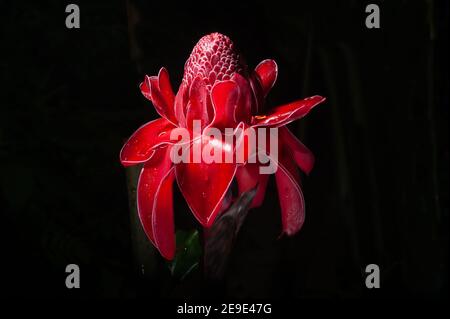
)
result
[(219, 91)]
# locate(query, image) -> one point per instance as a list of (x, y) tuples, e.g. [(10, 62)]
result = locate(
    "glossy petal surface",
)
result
[(267, 72), (162, 217), (204, 185), (154, 201), (197, 108), (166, 92), (141, 145), (159, 91), (284, 114), (257, 96), (181, 100), (225, 97), (243, 110), (145, 88)]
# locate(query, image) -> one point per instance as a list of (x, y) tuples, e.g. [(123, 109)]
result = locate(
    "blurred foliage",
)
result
[(188, 255)]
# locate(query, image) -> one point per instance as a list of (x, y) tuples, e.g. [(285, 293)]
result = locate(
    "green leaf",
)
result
[(188, 254)]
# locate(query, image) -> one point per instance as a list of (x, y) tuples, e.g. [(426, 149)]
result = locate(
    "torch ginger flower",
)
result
[(218, 91)]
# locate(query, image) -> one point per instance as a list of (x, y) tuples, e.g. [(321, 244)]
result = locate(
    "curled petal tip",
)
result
[(285, 114), (145, 88), (159, 91), (141, 145), (319, 98), (267, 72)]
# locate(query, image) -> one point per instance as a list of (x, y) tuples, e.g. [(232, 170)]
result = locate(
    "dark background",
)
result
[(378, 192)]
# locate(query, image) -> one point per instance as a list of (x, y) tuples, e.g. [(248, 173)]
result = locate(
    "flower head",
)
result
[(214, 58), (219, 92)]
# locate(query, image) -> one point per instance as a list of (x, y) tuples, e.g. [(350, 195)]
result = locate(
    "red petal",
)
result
[(145, 88), (166, 91), (181, 100), (204, 186), (243, 110), (198, 104), (165, 87), (290, 196), (301, 154), (162, 218), (149, 88), (248, 177), (141, 145), (258, 96), (154, 201), (267, 72), (224, 96), (287, 113), (159, 91)]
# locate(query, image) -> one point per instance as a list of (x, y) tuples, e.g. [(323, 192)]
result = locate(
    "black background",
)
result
[(378, 192)]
